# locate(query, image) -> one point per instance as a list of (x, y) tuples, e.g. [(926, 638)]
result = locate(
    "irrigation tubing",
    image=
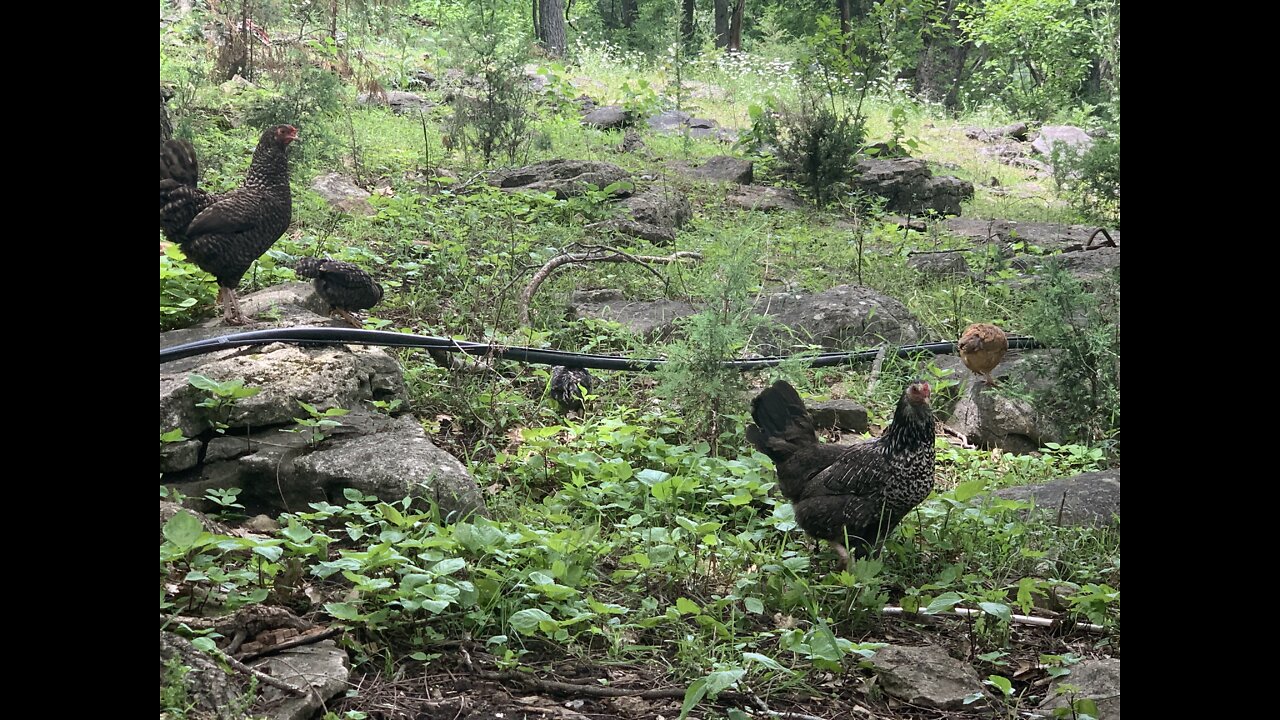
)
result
[(353, 336)]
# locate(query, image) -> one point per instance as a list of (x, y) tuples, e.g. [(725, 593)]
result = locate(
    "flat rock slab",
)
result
[(565, 178), (398, 100), (1087, 499), (1049, 236), (651, 319), (389, 458), (343, 194), (764, 198), (990, 418), (842, 414), (926, 676), (607, 118), (321, 666), (1098, 680), (836, 319), (722, 168)]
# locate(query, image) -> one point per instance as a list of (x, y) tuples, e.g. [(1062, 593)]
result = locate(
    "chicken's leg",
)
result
[(844, 555), (991, 381), (232, 314), (346, 315)]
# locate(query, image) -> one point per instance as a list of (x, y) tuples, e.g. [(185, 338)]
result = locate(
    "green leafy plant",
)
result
[(318, 425), (221, 398)]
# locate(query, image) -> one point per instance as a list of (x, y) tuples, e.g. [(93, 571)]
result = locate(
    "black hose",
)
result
[(352, 336)]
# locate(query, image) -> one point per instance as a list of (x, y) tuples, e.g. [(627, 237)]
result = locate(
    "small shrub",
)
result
[(818, 147)]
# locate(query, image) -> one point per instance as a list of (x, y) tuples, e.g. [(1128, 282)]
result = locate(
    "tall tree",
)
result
[(630, 11), (551, 26), (735, 26), (686, 20), (722, 23)]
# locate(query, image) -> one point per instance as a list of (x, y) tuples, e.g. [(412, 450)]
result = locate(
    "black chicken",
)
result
[(341, 284), (851, 496), (567, 385), (224, 234)]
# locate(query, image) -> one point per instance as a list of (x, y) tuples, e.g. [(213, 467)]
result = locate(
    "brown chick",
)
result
[(982, 347)]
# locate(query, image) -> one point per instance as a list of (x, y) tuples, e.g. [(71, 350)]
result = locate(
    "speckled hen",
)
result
[(343, 285), (567, 384), (224, 234), (851, 496)]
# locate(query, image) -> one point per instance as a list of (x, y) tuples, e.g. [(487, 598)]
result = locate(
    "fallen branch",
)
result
[(262, 677), (1021, 619), (598, 253), (298, 641)]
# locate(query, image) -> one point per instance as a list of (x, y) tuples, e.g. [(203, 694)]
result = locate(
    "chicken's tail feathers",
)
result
[(782, 423), (178, 163)]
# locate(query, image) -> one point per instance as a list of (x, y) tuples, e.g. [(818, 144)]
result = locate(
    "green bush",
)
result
[(818, 147)]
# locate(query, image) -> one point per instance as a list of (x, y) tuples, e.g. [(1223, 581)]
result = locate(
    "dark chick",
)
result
[(567, 384), (853, 496), (224, 234), (343, 285)]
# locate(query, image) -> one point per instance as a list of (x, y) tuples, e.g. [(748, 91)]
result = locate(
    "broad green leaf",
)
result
[(183, 529), (697, 690), (1002, 683), (687, 607), (764, 660), (753, 605), (718, 681), (999, 610), (343, 611), (527, 620), (942, 603)]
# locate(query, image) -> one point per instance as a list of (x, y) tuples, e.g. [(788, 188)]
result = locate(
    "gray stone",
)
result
[(842, 414), (764, 198), (1048, 236), (396, 460), (398, 100), (1073, 137), (724, 168), (1083, 264), (1087, 499), (1098, 680), (335, 376), (565, 178), (210, 691), (341, 193), (909, 186), (662, 208), (837, 319), (927, 676), (943, 264), (588, 297), (322, 666), (608, 117), (651, 319), (674, 122), (1017, 131), (390, 458), (991, 418), (179, 456)]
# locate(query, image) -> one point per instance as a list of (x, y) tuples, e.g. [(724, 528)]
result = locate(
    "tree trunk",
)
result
[(551, 30), (940, 69), (630, 11), (722, 23), (686, 20), (845, 26), (735, 26), (537, 26)]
